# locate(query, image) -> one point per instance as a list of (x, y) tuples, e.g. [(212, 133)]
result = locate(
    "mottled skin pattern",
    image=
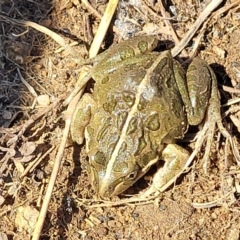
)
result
[(136, 113)]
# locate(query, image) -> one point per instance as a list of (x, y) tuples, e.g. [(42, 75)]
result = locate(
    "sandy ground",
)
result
[(52, 74)]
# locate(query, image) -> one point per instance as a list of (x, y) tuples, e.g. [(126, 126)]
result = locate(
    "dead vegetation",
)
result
[(37, 76)]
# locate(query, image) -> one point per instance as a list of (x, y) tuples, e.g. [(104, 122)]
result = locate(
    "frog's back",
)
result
[(139, 110)]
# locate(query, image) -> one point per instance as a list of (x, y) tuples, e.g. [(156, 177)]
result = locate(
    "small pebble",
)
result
[(43, 100)]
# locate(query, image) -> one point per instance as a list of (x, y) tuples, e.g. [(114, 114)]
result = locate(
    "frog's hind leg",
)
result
[(175, 158), (213, 118)]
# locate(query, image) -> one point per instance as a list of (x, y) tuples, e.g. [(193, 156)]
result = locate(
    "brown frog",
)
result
[(142, 103)]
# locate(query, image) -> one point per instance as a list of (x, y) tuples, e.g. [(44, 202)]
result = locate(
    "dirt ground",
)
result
[(32, 66)]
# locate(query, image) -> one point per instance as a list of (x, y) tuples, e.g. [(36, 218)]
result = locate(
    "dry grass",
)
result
[(32, 67)]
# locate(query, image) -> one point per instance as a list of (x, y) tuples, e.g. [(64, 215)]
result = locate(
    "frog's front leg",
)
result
[(81, 117), (175, 158)]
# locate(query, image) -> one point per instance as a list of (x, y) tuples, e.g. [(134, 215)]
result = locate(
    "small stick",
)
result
[(211, 6), (102, 29), (69, 115), (35, 163), (97, 41), (214, 203), (174, 35), (29, 87), (226, 8), (44, 30), (47, 197), (94, 11)]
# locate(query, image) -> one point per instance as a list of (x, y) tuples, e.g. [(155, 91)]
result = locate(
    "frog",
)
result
[(142, 103)]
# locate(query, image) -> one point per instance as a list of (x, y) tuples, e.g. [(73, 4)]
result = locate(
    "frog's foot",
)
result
[(175, 158), (213, 118), (208, 134)]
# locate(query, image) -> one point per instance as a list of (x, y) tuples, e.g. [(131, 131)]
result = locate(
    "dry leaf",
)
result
[(26, 218), (12, 140), (2, 199), (3, 236), (19, 166), (27, 148)]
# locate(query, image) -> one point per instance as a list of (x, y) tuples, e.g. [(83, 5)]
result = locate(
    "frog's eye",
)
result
[(132, 176)]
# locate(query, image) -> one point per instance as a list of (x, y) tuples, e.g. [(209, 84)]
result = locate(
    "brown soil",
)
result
[(71, 212)]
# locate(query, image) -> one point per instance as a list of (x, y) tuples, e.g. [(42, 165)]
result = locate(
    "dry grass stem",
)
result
[(91, 9), (32, 137), (107, 17), (207, 11), (44, 30), (173, 33), (103, 27)]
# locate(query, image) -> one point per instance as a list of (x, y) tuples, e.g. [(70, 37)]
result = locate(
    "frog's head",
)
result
[(112, 177)]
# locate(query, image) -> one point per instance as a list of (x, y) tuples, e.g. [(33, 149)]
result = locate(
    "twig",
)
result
[(94, 11), (215, 15), (226, 8), (35, 163), (174, 35), (79, 85), (71, 108), (102, 29), (97, 14), (156, 16), (44, 30), (47, 197), (35, 117), (230, 89), (211, 6), (214, 203), (231, 102), (28, 86), (196, 44)]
